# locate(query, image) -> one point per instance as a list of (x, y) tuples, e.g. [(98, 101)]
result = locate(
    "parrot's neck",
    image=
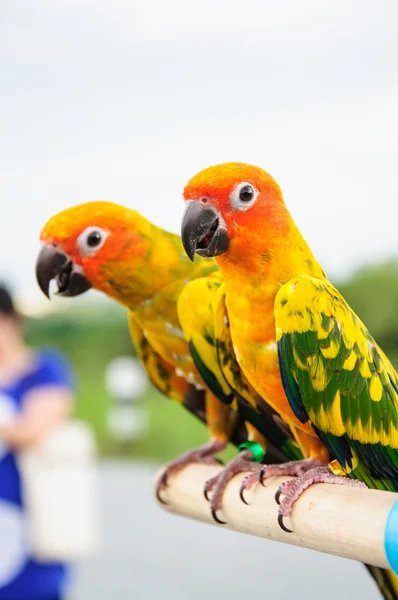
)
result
[(269, 255), (255, 269)]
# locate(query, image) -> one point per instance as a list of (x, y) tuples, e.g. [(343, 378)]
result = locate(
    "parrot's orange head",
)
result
[(227, 202), (84, 246)]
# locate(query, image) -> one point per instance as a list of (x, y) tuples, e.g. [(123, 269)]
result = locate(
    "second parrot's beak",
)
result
[(203, 230), (52, 263)]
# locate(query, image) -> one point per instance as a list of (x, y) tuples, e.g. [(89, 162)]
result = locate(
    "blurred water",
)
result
[(150, 554)]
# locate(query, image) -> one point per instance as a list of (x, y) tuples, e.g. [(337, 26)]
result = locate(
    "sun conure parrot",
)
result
[(295, 338), (119, 252)]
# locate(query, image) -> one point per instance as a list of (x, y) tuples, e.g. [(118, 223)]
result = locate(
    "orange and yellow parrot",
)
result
[(297, 341), (170, 307)]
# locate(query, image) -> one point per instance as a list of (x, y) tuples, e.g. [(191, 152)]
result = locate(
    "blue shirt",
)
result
[(22, 577)]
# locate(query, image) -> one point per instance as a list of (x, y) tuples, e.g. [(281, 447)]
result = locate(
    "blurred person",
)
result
[(35, 397)]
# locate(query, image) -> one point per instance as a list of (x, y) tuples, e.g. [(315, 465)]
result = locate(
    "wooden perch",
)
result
[(344, 521)]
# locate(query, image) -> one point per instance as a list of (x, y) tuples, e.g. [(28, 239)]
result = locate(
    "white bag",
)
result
[(60, 491)]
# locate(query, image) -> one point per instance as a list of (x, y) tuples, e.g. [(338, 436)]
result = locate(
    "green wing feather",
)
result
[(195, 309), (335, 375), (164, 377)]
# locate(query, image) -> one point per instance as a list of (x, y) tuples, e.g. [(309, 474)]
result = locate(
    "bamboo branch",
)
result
[(345, 521)]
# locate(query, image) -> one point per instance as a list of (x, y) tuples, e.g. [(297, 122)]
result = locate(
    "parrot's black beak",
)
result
[(52, 263), (203, 230)]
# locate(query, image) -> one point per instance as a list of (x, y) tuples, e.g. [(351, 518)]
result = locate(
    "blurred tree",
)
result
[(90, 334), (372, 292)]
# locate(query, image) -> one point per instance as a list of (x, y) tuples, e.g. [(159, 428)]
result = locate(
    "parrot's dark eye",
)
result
[(94, 239), (243, 196), (246, 193), (91, 240)]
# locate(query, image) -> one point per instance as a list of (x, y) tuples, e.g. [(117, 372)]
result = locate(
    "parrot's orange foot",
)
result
[(241, 463), (205, 455), (294, 468), (294, 488)]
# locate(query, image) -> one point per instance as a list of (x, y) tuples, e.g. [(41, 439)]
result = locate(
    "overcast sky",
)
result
[(126, 100)]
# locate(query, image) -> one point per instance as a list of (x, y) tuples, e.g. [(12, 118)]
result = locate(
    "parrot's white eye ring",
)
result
[(243, 196), (91, 240)]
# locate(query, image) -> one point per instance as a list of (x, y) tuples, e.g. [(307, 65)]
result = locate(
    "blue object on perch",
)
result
[(391, 537)]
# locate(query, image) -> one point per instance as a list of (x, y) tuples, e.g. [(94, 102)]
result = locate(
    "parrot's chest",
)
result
[(253, 332), (254, 343), (259, 362)]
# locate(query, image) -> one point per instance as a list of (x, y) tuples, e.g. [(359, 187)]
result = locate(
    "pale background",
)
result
[(126, 100)]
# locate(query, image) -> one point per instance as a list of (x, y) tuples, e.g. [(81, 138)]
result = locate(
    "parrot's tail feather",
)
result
[(386, 581)]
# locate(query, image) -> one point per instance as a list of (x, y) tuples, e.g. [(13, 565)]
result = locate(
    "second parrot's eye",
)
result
[(94, 239), (91, 240), (243, 196), (246, 193)]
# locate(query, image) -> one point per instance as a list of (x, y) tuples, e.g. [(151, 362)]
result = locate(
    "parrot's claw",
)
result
[(261, 477), (217, 484), (282, 525), (284, 489), (295, 487), (217, 520), (204, 455), (209, 485), (294, 468), (241, 496)]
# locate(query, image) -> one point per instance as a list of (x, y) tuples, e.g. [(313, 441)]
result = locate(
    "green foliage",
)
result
[(91, 336), (373, 293)]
